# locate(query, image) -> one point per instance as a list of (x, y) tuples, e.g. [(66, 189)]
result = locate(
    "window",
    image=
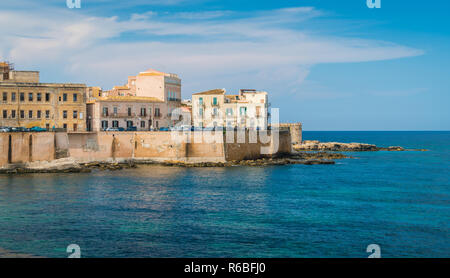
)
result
[(75, 114), (65, 114), (30, 97), (258, 111), (143, 124), (105, 111), (47, 114), (104, 125), (115, 123), (13, 97), (65, 126), (157, 112), (5, 96), (200, 111), (129, 111), (75, 97), (243, 111), (143, 112), (215, 111), (22, 97), (200, 101), (5, 114), (150, 111), (129, 123), (30, 114), (64, 97), (115, 111), (39, 97), (157, 124), (22, 114), (229, 111), (13, 114), (214, 101), (47, 97), (75, 127), (47, 126), (39, 114)]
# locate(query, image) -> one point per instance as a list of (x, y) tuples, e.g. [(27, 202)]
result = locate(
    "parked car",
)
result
[(181, 128), (37, 129), (163, 129), (115, 129), (213, 128), (5, 129), (131, 128), (19, 129)]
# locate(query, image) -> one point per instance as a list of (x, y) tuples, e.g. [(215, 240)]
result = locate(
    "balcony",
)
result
[(173, 99), (120, 115)]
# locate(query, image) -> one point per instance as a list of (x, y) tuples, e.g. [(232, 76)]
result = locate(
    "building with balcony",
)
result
[(142, 113), (150, 89), (214, 108), (25, 102)]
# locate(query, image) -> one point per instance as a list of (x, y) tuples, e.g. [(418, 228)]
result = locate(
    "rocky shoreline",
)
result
[(314, 145), (68, 165), (307, 153)]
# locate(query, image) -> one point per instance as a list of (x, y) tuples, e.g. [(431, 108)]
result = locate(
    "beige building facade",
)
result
[(214, 108), (25, 102), (152, 90), (142, 113)]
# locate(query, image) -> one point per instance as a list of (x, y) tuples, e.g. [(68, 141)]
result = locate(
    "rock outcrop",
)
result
[(68, 165), (314, 145)]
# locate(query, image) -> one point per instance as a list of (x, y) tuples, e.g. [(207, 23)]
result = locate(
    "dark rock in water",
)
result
[(334, 146), (392, 149), (315, 145)]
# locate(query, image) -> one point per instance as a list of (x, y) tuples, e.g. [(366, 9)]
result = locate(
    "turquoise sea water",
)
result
[(398, 200)]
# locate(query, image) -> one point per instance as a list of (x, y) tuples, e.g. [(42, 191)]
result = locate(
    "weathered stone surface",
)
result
[(334, 146), (68, 165), (314, 145)]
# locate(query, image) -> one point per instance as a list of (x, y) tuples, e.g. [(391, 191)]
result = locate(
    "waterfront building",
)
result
[(26, 102), (248, 109), (150, 89), (141, 113)]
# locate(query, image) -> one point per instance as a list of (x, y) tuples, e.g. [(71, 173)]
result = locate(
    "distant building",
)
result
[(143, 113), (151, 90), (248, 109), (27, 103)]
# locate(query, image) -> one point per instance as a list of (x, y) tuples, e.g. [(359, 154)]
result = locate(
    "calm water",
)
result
[(399, 200)]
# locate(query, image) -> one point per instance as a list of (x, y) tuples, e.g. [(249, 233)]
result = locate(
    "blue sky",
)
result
[(333, 65)]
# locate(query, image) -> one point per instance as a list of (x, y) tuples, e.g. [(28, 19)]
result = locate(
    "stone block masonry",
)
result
[(21, 149)]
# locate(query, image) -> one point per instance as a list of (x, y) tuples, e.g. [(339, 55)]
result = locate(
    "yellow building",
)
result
[(25, 102)]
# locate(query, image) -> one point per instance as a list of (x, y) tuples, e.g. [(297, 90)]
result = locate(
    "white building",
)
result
[(248, 109)]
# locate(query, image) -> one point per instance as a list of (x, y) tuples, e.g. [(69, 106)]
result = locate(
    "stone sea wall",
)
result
[(22, 150)]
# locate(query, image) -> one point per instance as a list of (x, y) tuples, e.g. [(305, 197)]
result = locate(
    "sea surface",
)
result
[(398, 200)]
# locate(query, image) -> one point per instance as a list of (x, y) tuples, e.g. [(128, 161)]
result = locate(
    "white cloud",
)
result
[(208, 49)]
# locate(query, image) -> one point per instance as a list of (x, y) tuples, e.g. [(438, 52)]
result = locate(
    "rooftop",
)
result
[(212, 92), (127, 99)]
